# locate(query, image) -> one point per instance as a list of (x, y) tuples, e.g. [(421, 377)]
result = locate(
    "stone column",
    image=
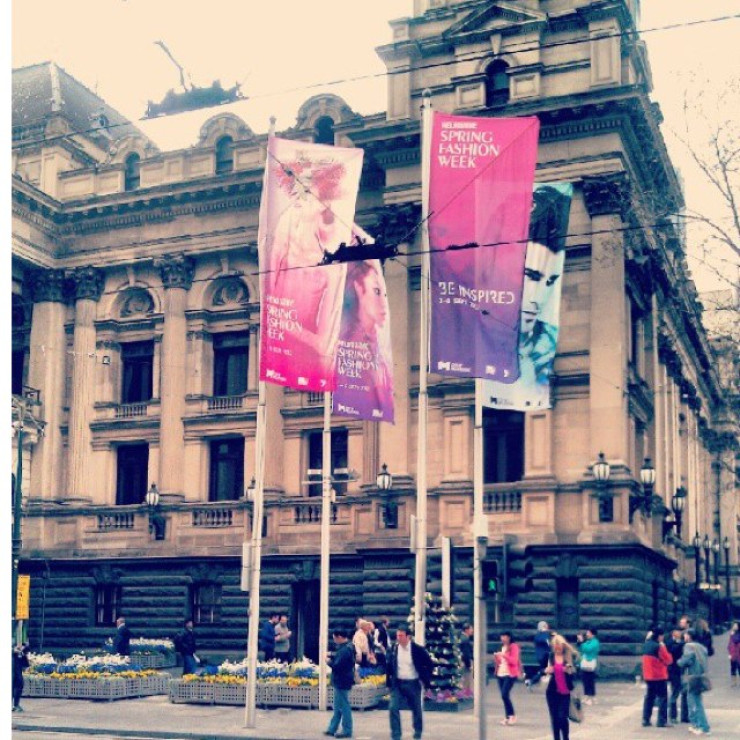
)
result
[(177, 276), (606, 199), (88, 285), (46, 372)]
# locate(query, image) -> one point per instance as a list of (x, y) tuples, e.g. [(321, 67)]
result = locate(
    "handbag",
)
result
[(575, 709), (699, 684), (589, 664)]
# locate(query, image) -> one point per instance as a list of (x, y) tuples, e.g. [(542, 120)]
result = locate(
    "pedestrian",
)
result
[(590, 664), (655, 662), (266, 637), (704, 636), (19, 664), (733, 651), (674, 644), (185, 645), (382, 641), (408, 668), (561, 668), (342, 665), (695, 661), (365, 655), (508, 670), (541, 653), (122, 638), (282, 639), (466, 652), (684, 622)]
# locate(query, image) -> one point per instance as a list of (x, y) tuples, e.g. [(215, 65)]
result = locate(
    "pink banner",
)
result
[(480, 191), (307, 208), (364, 380)]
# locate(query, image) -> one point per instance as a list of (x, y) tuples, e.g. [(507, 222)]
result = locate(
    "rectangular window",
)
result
[(227, 469), (230, 357), (137, 359), (205, 601), (107, 604), (132, 474), (503, 446), (338, 460)]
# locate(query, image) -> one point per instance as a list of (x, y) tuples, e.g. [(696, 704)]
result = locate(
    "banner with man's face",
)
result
[(540, 316)]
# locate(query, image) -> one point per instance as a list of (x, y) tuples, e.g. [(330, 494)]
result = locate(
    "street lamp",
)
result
[(706, 545), (647, 478), (157, 523), (696, 542), (678, 502), (728, 595), (601, 471), (715, 550), (384, 482)]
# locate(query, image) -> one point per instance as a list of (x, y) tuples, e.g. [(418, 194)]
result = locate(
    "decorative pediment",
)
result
[(130, 144), (229, 292), (493, 18), (320, 106), (223, 124), (136, 302)]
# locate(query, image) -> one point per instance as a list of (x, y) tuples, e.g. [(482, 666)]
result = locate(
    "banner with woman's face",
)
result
[(364, 369), (307, 208)]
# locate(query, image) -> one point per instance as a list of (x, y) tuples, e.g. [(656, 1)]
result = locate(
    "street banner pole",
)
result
[(480, 540), (326, 495), (250, 713), (421, 455)]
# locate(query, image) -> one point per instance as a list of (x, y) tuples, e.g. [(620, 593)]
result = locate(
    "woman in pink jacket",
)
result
[(733, 650), (508, 670)]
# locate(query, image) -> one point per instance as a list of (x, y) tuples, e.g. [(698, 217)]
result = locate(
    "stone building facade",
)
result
[(136, 328)]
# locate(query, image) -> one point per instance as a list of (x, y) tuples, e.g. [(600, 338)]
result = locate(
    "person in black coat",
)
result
[(408, 667), (122, 638), (674, 644), (185, 645), (342, 665), (20, 663), (266, 637)]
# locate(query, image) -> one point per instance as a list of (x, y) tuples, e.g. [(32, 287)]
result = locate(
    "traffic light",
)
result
[(520, 575), (489, 573)]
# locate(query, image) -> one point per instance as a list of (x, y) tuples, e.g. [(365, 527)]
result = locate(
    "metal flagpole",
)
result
[(421, 455), (326, 494), (255, 556), (480, 531)]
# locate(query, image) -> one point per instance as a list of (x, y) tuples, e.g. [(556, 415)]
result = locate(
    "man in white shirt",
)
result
[(408, 667)]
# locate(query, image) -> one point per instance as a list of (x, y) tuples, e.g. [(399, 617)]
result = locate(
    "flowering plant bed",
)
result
[(150, 653), (80, 677)]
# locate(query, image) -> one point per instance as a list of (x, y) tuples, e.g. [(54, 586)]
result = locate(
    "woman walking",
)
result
[(508, 670), (561, 669), (733, 650), (589, 665)]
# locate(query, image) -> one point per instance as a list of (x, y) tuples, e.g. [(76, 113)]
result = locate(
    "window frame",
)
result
[(132, 172), (507, 428), (212, 606), (141, 476), (136, 356), (228, 348), (107, 605), (223, 165), (314, 458), (236, 456)]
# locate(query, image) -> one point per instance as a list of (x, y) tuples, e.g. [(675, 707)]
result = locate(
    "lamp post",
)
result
[(715, 550), (17, 511), (384, 481), (647, 478), (678, 502), (696, 542), (706, 545), (728, 594), (601, 471)]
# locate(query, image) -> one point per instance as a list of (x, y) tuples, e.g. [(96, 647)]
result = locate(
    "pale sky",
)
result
[(276, 46)]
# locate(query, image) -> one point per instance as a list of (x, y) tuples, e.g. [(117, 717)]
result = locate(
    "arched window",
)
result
[(324, 131), (224, 155), (497, 83), (132, 172)]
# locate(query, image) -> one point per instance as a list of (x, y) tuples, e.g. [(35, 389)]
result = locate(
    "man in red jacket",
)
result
[(655, 662)]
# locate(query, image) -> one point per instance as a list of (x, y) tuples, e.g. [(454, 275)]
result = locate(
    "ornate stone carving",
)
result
[(177, 271), (230, 291), (397, 223), (88, 283), (48, 286), (136, 302), (607, 194)]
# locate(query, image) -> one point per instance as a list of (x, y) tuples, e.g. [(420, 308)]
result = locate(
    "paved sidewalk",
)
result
[(616, 716)]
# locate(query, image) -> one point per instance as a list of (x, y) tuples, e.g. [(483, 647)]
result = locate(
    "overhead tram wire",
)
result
[(632, 33)]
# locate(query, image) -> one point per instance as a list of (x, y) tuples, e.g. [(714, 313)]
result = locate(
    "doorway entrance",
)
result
[(306, 619)]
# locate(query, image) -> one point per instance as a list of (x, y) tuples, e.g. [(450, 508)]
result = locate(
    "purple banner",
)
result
[(480, 191)]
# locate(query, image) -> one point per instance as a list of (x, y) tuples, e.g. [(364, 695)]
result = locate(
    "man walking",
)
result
[(408, 667), (266, 637), (19, 664), (122, 638), (655, 662), (695, 660), (185, 645), (342, 665), (282, 639), (466, 653), (541, 653)]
